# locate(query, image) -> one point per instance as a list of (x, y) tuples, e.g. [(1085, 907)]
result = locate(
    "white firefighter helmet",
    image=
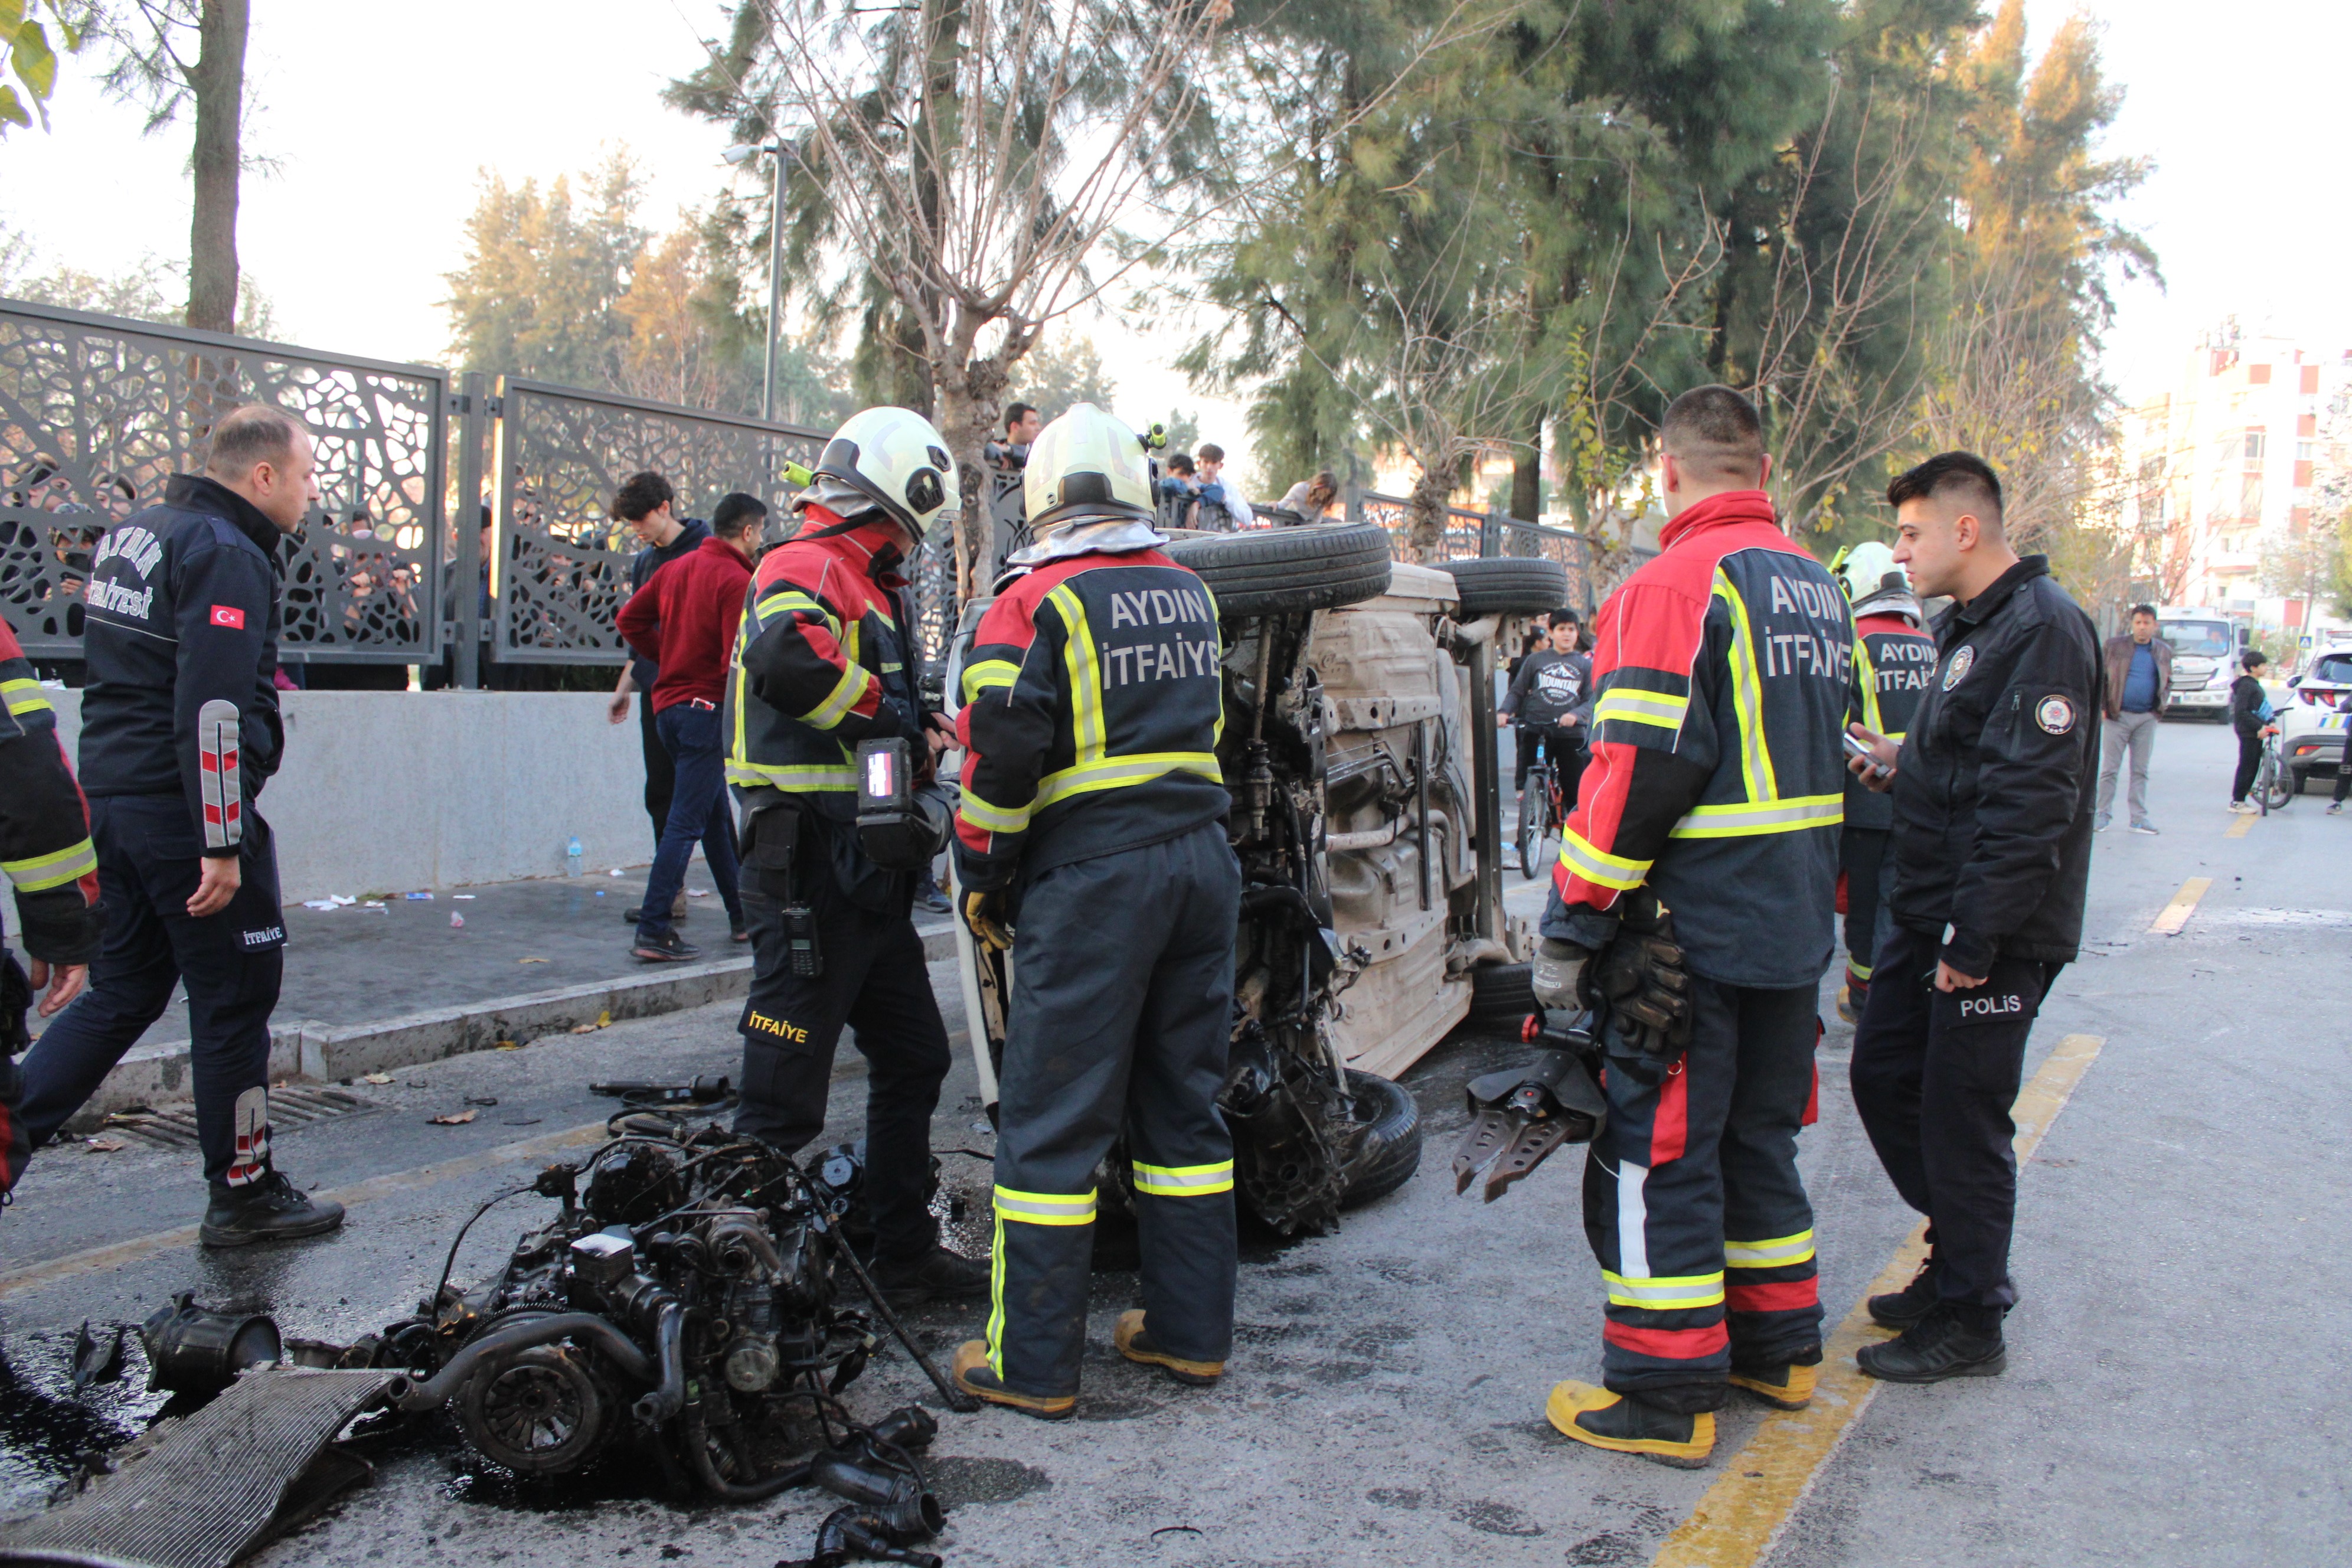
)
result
[(1085, 466), (895, 459), (1874, 581)]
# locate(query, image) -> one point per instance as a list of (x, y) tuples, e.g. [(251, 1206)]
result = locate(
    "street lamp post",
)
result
[(743, 153)]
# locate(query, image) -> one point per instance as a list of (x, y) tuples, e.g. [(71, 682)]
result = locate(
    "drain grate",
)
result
[(176, 1128)]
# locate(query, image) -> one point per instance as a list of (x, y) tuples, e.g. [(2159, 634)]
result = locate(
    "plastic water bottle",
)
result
[(571, 853)]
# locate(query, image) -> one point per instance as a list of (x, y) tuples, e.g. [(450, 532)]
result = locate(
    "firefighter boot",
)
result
[(1789, 1385), (1901, 1309), (271, 1209), (1136, 1345), (1626, 1426), (1952, 1340), (977, 1378)]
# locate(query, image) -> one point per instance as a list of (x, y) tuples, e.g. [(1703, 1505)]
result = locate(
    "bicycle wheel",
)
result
[(2277, 783), (1533, 807)]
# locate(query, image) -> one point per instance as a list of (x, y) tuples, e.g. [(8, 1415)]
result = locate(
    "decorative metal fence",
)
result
[(1594, 569), (96, 413)]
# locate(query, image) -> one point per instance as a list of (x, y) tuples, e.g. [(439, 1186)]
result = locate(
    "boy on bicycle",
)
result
[(1551, 699)]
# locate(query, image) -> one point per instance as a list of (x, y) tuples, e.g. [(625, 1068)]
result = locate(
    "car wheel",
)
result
[(1284, 571), (1390, 1151), (1509, 585)]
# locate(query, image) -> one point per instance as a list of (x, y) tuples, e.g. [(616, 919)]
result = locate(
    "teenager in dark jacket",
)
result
[(2248, 702)]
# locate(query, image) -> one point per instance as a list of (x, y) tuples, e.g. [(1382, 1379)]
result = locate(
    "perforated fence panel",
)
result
[(96, 413)]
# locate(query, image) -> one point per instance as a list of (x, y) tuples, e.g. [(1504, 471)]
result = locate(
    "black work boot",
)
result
[(1952, 1340), (667, 948), (938, 1275), (271, 1209), (1901, 1309), (1625, 1424)]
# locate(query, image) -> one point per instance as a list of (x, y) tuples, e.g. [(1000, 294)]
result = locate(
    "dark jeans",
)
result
[(661, 774), (2250, 758), (1935, 1076), (148, 867), (698, 812)]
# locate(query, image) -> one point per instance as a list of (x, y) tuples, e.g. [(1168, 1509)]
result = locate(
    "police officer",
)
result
[(1694, 906), (1093, 808), (179, 732), (47, 855), (1992, 791), (823, 658), (1898, 657)]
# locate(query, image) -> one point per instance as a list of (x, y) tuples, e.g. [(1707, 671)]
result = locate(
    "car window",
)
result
[(2211, 639), (2335, 669)]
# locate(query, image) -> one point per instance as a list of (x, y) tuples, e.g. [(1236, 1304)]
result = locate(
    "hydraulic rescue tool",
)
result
[(1519, 1115)]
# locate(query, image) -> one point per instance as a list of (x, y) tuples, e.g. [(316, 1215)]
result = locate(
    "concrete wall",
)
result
[(385, 791)]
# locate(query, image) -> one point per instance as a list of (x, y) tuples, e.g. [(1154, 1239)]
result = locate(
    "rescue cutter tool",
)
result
[(1520, 1115)]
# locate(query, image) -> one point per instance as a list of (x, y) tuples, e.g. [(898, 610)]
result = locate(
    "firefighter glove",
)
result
[(1554, 975), (1640, 984), (984, 914)]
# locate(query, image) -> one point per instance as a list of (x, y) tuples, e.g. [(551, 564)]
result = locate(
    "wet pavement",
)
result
[(2163, 1405)]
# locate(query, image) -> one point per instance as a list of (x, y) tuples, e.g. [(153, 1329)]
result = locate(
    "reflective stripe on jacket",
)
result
[(1092, 706), (44, 849), (1899, 658), (1724, 671)]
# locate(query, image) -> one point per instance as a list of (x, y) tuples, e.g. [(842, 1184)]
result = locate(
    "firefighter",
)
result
[(179, 732), (1993, 791), (46, 852), (1094, 810), (1694, 905), (825, 658), (1898, 657)]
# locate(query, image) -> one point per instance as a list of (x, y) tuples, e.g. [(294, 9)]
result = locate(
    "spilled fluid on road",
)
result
[(47, 1429)]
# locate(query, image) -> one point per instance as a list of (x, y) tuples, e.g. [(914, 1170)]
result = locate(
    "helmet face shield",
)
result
[(1085, 466)]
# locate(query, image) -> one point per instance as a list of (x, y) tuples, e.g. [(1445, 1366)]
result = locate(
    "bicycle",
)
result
[(2274, 782), (1542, 812)]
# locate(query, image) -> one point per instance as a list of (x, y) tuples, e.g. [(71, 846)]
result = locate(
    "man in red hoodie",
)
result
[(1693, 909), (684, 619)]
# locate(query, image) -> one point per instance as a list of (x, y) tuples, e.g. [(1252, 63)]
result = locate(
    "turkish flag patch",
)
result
[(229, 615)]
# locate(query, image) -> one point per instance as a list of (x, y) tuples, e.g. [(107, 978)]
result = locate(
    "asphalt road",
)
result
[(2169, 1398)]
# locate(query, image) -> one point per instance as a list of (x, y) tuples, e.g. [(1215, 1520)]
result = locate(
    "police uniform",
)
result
[(1092, 797), (1896, 657), (1993, 808), (47, 855), (823, 661), (179, 730), (1725, 673)]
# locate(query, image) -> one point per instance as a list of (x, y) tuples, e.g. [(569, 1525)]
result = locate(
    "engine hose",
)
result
[(898, 1501), (670, 1350), (849, 1533), (698, 1449), (437, 1389)]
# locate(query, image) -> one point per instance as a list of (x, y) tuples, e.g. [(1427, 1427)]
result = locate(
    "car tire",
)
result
[(2302, 779), (1502, 997), (1509, 585), (1390, 1151), (1286, 571)]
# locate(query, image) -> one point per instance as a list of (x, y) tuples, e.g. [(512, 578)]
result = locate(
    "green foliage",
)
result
[(1064, 372), (29, 56)]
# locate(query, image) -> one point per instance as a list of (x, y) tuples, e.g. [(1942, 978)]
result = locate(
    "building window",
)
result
[(2250, 497), (2253, 449), (2306, 451)]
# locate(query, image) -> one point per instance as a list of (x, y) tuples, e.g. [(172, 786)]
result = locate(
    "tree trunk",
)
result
[(969, 403), (1424, 513), (1527, 472), (217, 81)]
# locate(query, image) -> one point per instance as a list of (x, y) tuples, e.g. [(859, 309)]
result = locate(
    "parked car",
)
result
[(2318, 710), (2204, 653)]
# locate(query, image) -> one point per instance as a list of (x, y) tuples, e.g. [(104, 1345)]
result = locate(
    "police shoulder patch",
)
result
[(1958, 670), (2055, 714)]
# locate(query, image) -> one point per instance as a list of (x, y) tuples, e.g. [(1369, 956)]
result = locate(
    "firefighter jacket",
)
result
[(180, 650), (1898, 659), (1093, 704), (45, 847), (1994, 790), (823, 658), (1724, 671)]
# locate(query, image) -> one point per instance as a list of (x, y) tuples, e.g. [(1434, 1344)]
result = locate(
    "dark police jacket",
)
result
[(179, 643), (1994, 790), (1901, 660), (1092, 703)]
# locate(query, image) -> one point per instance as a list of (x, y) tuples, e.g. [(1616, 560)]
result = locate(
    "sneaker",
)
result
[(976, 1377), (1786, 1386), (667, 948), (2335, 807), (2147, 827), (736, 930), (1135, 1344), (1949, 1341), (1901, 1309), (2102, 823), (938, 1275), (1600, 1419), (678, 910), (271, 1209), (2245, 807)]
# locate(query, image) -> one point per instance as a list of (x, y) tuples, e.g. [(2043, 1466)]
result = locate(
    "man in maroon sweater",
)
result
[(684, 619)]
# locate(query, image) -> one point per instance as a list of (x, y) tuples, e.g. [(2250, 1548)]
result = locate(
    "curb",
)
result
[(156, 1073)]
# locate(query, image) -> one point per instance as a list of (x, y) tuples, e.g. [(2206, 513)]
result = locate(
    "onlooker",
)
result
[(1176, 490), (1021, 427), (1550, 697), (2250, 716), (684, 619), (2139, 683), (1313, 500), (1222, 510), (645, 502)]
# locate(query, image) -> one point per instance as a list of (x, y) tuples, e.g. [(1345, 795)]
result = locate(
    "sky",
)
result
[(379, 120)]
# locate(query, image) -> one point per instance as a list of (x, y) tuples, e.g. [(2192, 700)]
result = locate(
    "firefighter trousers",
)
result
[(1122, 1002), (1936, 1074), (1869, 911), (1693, 1204), (875, 981)]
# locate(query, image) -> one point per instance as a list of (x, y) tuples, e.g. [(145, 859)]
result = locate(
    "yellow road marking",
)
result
[(1742, 1514), (2240, 828), (2176, 913)]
